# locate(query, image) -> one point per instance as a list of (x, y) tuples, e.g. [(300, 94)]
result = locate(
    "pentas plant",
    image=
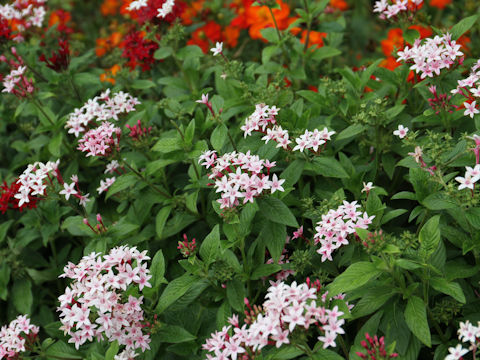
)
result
[(392, 10), (17, 337), (239, 177), (467, 333), (333, 230), (96, 305), (22, 15), (469, 88), (263, 120), (287, 309), (16, 82), (429, 56), (376, 349)]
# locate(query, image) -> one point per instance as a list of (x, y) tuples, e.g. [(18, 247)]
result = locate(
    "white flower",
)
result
[(137, 4), (217, 49), (367, 187), (68, 190), (456, 352), (401, 132)]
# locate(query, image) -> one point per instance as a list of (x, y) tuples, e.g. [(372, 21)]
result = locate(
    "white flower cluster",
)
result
[(100, 108), (470, 89), (472, 175), (13, 337), (239, 175), (332, 231), (467, 333), (101, 140), (95, 304), (32, 180), (27, 14), (263, 120), (166, 8), (432, 55), (387, 11), (287, 308), (16, 76), (137, 5)]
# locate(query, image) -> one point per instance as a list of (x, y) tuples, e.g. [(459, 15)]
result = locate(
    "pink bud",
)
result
[(85, 221), (99, 218)]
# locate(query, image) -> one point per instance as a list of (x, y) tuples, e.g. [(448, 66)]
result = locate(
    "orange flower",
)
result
[(424, 32), (191, 11), (339, 4), (464, 41), (390, 63), (105, 45), (394, 40), (315, 38), (259, 17), (230, 35), (109, 7), (59, 17), (110, 72), (441, 4), (206, 35)]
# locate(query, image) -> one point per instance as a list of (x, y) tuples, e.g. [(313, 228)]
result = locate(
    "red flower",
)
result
[(60, 60), (206, 35), (8, 201), (138, 50)]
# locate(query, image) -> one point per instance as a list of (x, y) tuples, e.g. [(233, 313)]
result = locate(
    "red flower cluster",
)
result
[(8, 201), (5, 31), (136, 131), (375, 349), (60, 60), (138, 50)]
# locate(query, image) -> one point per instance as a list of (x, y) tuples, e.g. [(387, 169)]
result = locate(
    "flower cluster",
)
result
[(24, 14), (239, 175), (263, 120), (105, 184), (472, 175), (95, 305), (440, 102), (155, 11), (100, 141), (470, 89), (138, 50), (100, 108), (32, 181), (387, 11), (375, 349), (187, 248), (16, 81), (15, 337), (287, 308), (432, 55), (137, 132), (9, 201), (167, 8), (59, 60), (467, 333), (333, 230)]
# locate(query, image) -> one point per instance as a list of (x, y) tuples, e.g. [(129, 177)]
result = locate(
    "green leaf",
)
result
[(236, 294), (463, 26), (353, 277), (429, 236), (112, 350), (392, 215), (325, 354), (218, 137), (157, 269), (270, 34), (273, 236), (3, 229), (167, 145), (407, 264), (374, 298), (473, 217), (55, 145), (328, 167), (210, 248), (174, 290), (292, 173), (122, 183), (275, 210), (265, 270), (438, 201), (174, 334), (394, 111), (189, 132), (410, 35), (4, 280), (60, 350), (450, 288), (161, 219), (416, 319), (163, 53), (350, 131), (142, 84), (22, 295), (325, 52)]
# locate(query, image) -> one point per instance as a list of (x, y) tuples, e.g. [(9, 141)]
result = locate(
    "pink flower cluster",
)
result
[(100, 108), (239, 176), (102, 140), (32, 180), (440, 101), (375, 349), (470, 89), (95, 305), (431, 55), (263, 120), (333, 230), (15, 337), (16, 82), (387, 11), (25, 13), (287, 308), (467, 333)]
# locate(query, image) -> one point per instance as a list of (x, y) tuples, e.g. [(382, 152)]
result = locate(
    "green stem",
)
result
[(275, 23), (309, 25), (344, 348), (75, 89), (39, 107)]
